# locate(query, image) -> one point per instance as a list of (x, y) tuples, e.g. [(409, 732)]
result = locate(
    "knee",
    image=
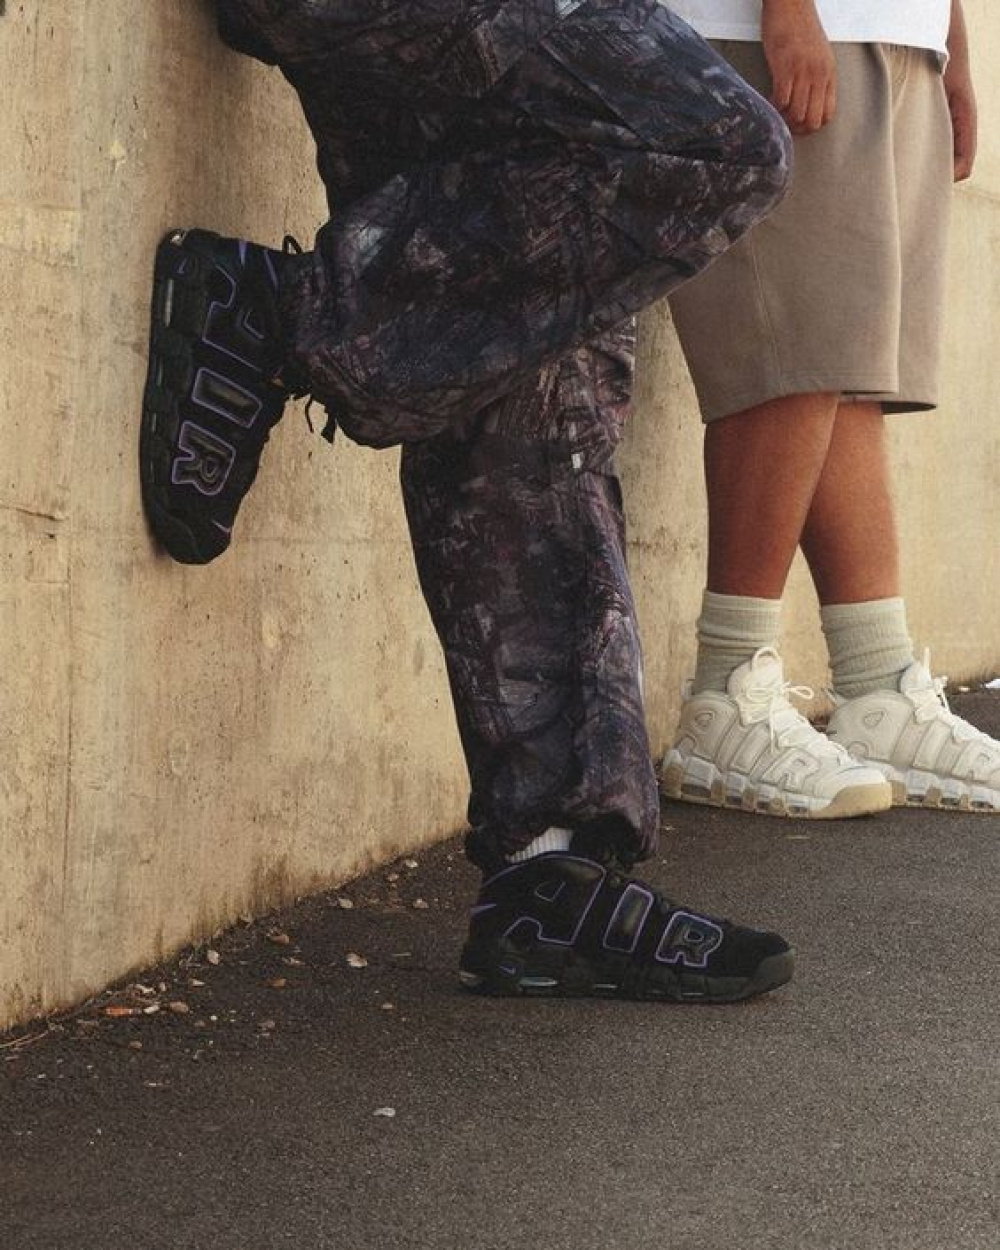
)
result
[(767, 154), (239, 29), (752, 170)]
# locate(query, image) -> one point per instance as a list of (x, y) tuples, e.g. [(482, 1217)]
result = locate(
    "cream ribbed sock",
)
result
[(553, 839), (731, 629), (869, 645)]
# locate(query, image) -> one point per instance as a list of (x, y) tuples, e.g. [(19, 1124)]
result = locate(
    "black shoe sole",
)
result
[(579, 980), (173, 533)]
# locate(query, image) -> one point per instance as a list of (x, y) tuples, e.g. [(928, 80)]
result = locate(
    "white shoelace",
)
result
[(932, 704), (786, 724)]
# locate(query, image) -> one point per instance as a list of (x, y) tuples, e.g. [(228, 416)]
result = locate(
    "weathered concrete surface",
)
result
[(856, 1109), (181, 746)]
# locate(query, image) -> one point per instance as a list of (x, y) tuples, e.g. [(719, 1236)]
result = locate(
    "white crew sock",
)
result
[(553, 839), (731, 629), (869, 645)]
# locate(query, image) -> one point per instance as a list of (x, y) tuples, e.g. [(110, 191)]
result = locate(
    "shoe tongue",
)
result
[(916, 679), (763, 672)]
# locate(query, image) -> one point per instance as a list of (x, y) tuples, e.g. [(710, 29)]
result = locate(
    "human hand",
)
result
[(803, 70), (964, 124), (961, 96)]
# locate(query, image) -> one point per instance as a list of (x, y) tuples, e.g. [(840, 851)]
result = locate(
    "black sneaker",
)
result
[(563, 925), (214, 388)]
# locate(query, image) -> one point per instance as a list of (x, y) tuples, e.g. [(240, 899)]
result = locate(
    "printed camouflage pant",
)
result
[(510, 181)]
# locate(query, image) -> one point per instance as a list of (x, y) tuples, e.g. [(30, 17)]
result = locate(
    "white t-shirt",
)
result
[(912, 23)]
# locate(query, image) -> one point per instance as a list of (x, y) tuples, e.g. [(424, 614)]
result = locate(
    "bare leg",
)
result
[(849, 538), (743, 743), (762, 468)]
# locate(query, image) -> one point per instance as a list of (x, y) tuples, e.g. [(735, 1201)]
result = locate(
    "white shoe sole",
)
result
[(914, 788), (736, 793)]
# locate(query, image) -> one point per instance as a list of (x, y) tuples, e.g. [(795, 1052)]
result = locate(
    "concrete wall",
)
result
[(182, 746)]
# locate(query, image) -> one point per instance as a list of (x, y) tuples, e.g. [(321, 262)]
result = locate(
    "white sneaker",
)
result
[(932, 757), (751, 749)]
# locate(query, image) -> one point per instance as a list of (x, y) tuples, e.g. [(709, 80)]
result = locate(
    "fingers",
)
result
[(781, 91), (965, 158), (805, 96), (830, 102), (807, 106), (963, 127), (801, 107)]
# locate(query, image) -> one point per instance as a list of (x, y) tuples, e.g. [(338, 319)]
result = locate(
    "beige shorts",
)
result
[(841, 288)]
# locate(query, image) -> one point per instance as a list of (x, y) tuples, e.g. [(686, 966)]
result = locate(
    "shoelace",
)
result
[(290, 246), (786, 724), (932, 704)]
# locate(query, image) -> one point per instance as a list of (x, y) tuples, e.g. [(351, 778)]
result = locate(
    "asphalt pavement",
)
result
[(317, 1079)]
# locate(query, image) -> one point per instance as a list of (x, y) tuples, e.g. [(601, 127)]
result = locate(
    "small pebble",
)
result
[(357, 961), (213, 957), (387, 1112)]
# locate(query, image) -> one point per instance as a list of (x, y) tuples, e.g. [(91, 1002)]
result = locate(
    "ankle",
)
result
[(869, 645), (552, 840), (731, 630)]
